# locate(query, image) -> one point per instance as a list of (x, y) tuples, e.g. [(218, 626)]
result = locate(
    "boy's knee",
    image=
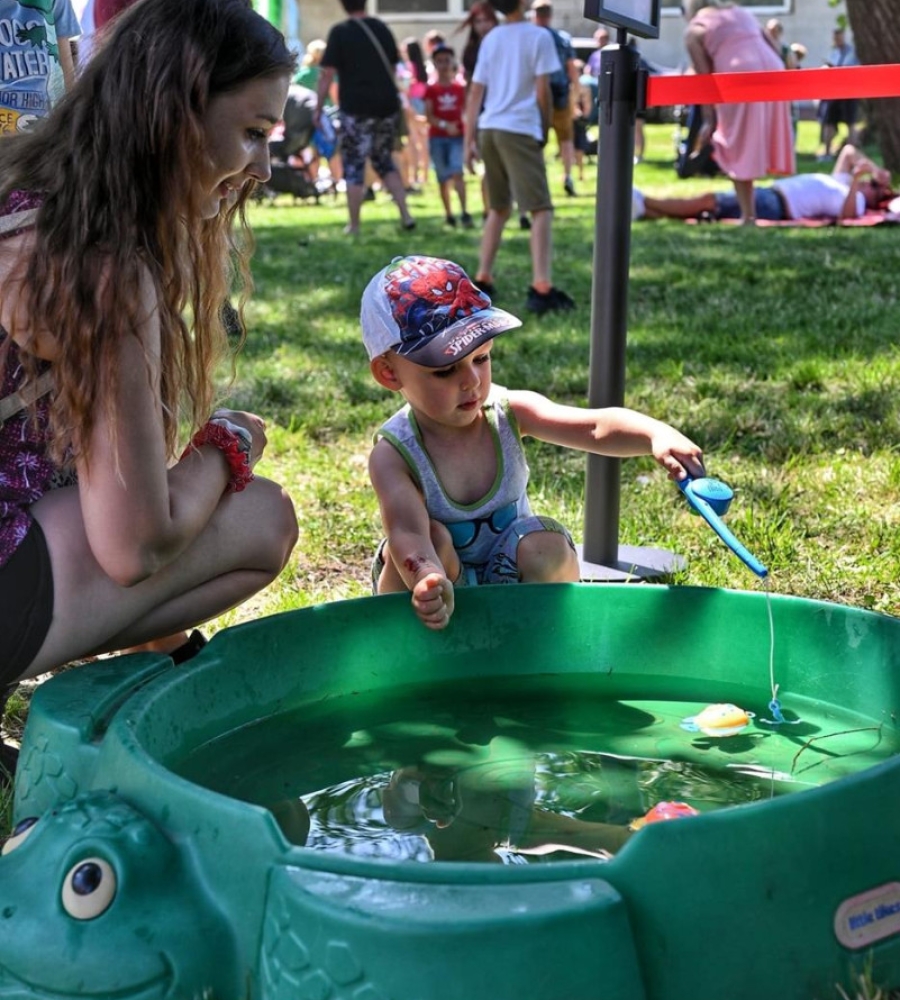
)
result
[(546, 557)]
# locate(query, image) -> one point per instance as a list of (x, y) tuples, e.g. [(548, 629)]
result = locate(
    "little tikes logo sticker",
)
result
[(871, 916)]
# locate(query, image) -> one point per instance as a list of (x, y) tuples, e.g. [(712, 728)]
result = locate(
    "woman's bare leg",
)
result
[(243, 548)]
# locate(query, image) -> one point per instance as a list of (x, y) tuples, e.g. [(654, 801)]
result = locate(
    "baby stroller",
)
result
[(290, 172)]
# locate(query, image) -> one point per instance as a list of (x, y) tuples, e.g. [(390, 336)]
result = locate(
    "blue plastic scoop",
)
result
[(711, 498)]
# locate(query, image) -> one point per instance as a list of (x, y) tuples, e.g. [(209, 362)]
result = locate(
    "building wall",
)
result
[(808, 21)]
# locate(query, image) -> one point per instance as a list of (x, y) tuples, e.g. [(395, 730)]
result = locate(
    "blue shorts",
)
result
[(446, 155), (501, 565), (767, 204)]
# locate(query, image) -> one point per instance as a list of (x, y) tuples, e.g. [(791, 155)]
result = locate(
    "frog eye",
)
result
[(89, 889), (19, 834)]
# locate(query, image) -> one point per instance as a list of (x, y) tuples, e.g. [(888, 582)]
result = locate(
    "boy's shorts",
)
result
[(447, 156), (514, 171), (501, 565), (26, 596)]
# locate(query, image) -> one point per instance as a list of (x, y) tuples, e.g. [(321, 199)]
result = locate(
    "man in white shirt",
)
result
[(508, 115)]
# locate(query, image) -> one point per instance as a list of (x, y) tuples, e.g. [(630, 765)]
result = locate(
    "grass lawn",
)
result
[(773, 348)]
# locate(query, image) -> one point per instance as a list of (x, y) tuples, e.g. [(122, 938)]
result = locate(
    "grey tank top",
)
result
[(510, 483)]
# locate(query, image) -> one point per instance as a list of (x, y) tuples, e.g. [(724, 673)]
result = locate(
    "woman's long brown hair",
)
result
[(114, 163)]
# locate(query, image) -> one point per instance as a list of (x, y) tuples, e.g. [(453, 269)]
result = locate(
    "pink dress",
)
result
[(751, 140)]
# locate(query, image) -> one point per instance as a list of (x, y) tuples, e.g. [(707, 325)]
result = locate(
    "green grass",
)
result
[(775, 349)]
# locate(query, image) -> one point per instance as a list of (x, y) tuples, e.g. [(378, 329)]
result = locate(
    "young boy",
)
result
[(449, 469), (444, 103)]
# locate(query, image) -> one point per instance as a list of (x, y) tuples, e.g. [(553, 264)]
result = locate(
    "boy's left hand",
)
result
[(677, 454), (433, 600)]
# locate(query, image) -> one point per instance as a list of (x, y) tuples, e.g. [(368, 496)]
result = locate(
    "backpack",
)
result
[(559, 80)]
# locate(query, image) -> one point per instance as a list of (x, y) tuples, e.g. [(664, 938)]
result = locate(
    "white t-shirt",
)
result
[(811, 196), (511, 56)]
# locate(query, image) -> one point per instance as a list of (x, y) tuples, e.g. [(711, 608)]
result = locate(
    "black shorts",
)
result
[(26, 598)]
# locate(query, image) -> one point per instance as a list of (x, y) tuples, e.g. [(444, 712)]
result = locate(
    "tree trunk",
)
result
[(876, 35)]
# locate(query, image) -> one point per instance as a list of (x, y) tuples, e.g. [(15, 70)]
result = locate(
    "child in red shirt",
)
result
[(444, 105)]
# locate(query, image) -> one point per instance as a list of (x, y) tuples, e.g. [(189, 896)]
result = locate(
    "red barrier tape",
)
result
[(793, 85)]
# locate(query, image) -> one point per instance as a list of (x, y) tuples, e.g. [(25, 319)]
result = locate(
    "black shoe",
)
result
[(485, 286), (369, 195), (9, 759), (451, 221), (188, 650), (409, 226), (524, 221), (544, 302), (570, 187), (467, 221)]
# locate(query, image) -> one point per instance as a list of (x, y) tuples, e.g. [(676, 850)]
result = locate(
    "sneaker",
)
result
[(451, 220), (544, 302), (485, 286), (369, 195), (467, 221), (524, 221), (569, 186)]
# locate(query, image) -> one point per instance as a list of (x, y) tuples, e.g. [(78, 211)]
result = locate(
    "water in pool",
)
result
[(550, 770)]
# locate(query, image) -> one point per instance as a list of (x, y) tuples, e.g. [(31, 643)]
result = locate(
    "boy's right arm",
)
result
[(408, 531)]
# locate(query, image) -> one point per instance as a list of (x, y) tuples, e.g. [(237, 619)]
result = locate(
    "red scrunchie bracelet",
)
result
[(236, 452)]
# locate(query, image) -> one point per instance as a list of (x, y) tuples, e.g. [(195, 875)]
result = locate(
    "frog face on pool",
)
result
[(95, 878)]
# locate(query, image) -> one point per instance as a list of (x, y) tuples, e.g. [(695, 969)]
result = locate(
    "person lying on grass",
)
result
[(854, 185), (449, 469)]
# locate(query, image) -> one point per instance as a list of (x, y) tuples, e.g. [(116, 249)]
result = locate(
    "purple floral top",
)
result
[(26, 473)]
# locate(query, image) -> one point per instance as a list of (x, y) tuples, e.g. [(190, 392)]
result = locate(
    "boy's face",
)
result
[(451, 396), (444, 66)]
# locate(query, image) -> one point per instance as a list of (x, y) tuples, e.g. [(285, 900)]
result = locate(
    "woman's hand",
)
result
[(254, 425)]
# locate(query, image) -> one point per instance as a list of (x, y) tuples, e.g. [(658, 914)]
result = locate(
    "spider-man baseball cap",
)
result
[(428, 310)]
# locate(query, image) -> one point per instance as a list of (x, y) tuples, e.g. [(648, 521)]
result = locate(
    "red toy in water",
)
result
[(663, 811)]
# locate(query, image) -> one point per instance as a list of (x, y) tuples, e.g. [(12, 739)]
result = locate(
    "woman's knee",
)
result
[(273, 522)]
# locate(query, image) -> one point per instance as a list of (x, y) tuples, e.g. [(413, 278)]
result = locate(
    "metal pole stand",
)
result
[(621, 83)]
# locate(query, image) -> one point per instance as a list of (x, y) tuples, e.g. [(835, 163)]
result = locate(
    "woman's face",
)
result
[(237, 128), (482, 22)]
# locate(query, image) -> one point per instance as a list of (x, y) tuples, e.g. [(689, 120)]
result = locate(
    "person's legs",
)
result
[(744, 192), (459, 183), (541, 244), (547, 557), (533, 549), (355, 143), (388, 579), (243, 548), (490, 243), (382, 144), (499, 199), (446, 186)]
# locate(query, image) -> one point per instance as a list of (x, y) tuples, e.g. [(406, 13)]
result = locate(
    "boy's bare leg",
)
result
[(547, 557)]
